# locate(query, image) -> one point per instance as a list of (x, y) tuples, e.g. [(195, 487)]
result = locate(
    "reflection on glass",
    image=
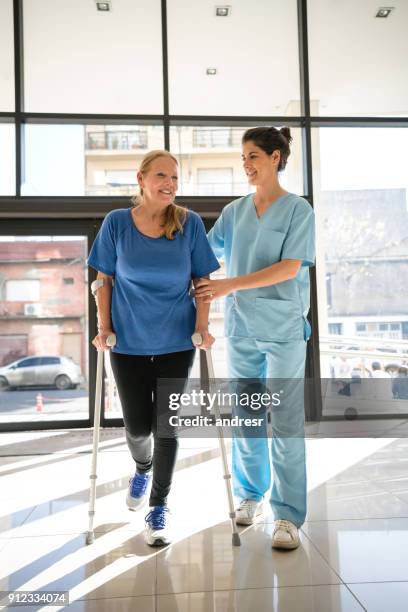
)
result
[(96, 62), (43, 328), (7, 157), (6, 56), (210, 161), (74, 160), (369, 78), (362, 267), (253, 54)]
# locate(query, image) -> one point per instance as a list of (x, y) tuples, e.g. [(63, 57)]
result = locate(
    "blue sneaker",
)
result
[(157, 531), (136, 495)]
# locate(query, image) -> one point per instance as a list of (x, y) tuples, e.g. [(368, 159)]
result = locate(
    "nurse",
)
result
[(267, 240)]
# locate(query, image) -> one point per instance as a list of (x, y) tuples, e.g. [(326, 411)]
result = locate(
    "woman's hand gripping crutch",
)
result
[(110, 341), (197, 341)]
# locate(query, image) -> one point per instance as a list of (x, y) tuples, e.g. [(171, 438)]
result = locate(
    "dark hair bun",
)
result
[(285, 131)]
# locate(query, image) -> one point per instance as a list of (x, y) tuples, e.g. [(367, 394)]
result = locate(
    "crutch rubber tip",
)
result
[(90, 537), (236, 540)]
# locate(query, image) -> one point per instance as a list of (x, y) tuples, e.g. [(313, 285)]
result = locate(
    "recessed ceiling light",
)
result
[(384, 11), (222, 11), (103, 6), (211, 71)]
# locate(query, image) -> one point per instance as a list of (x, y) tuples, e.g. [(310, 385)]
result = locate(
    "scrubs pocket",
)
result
[(236, 324), (277, 320), (268, 246)]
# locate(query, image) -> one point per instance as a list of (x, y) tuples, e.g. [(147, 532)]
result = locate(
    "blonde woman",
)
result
[(151, 251)]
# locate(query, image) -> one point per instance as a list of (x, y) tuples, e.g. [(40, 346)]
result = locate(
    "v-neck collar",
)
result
[(269, 207)]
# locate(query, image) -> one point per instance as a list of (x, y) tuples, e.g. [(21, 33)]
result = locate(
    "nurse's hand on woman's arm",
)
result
[(279, 272)]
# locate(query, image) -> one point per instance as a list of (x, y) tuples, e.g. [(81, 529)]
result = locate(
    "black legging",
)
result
[(136, 378)]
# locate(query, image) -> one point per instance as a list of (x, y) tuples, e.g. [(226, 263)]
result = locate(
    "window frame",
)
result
[(23, 213)]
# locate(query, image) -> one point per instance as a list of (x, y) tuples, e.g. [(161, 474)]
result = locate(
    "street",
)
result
[(53, 402)]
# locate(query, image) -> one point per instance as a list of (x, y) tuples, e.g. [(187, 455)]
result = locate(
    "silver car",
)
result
[(45, 370)]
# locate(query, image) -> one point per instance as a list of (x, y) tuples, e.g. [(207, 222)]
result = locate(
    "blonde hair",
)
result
[(175, 215)]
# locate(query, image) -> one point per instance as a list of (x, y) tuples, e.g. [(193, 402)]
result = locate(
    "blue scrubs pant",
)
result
[(251, 456)]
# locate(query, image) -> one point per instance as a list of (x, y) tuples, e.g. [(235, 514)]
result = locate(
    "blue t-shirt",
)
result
[(152, 312), (286, 230)]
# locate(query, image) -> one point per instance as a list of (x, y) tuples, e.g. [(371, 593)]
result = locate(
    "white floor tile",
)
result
[(119, 604), (353, 501), (207, 561), (331, 598), (374, 550), (382, 596), (117, 564)]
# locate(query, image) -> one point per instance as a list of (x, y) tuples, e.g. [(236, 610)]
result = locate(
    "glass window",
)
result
[(20, 290), (6, 56), (362, 227), (364, 74), (210, 161), (43, 332), (214, 181), (335, 328), (50, 361), (114, 59), (74, 160), (8, 161), (254, 52), (29, 363)]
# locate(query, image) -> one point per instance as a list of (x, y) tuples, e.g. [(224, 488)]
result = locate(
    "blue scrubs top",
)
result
[(152, 312), (247, 243)]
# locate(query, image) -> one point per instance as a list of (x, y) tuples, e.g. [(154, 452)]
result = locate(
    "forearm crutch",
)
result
[(197, 340), (111, 341)]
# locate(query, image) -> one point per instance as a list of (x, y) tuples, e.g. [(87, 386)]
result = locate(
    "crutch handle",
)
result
[(111, 340), (197, 339), (95, 285)]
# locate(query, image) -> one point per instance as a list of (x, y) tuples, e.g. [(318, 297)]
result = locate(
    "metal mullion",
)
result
[(18, 91), (83, 207), (232, 121), (98, 119), (313, 391), (44, 425), (359, 121), (166, 116)]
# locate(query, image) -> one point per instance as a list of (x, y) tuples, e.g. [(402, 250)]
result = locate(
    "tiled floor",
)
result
[(353, 557)]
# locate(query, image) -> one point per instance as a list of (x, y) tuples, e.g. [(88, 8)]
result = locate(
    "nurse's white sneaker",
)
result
[(285, 535), (247, 511)]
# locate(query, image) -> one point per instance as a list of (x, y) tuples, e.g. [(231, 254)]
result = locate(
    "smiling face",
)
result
[(160, 181), (258, 165)]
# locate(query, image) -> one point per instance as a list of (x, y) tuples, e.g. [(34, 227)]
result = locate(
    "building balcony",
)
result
[(116, 141)]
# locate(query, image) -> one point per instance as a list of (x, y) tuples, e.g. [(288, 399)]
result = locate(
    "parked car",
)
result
[(45, 370)]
